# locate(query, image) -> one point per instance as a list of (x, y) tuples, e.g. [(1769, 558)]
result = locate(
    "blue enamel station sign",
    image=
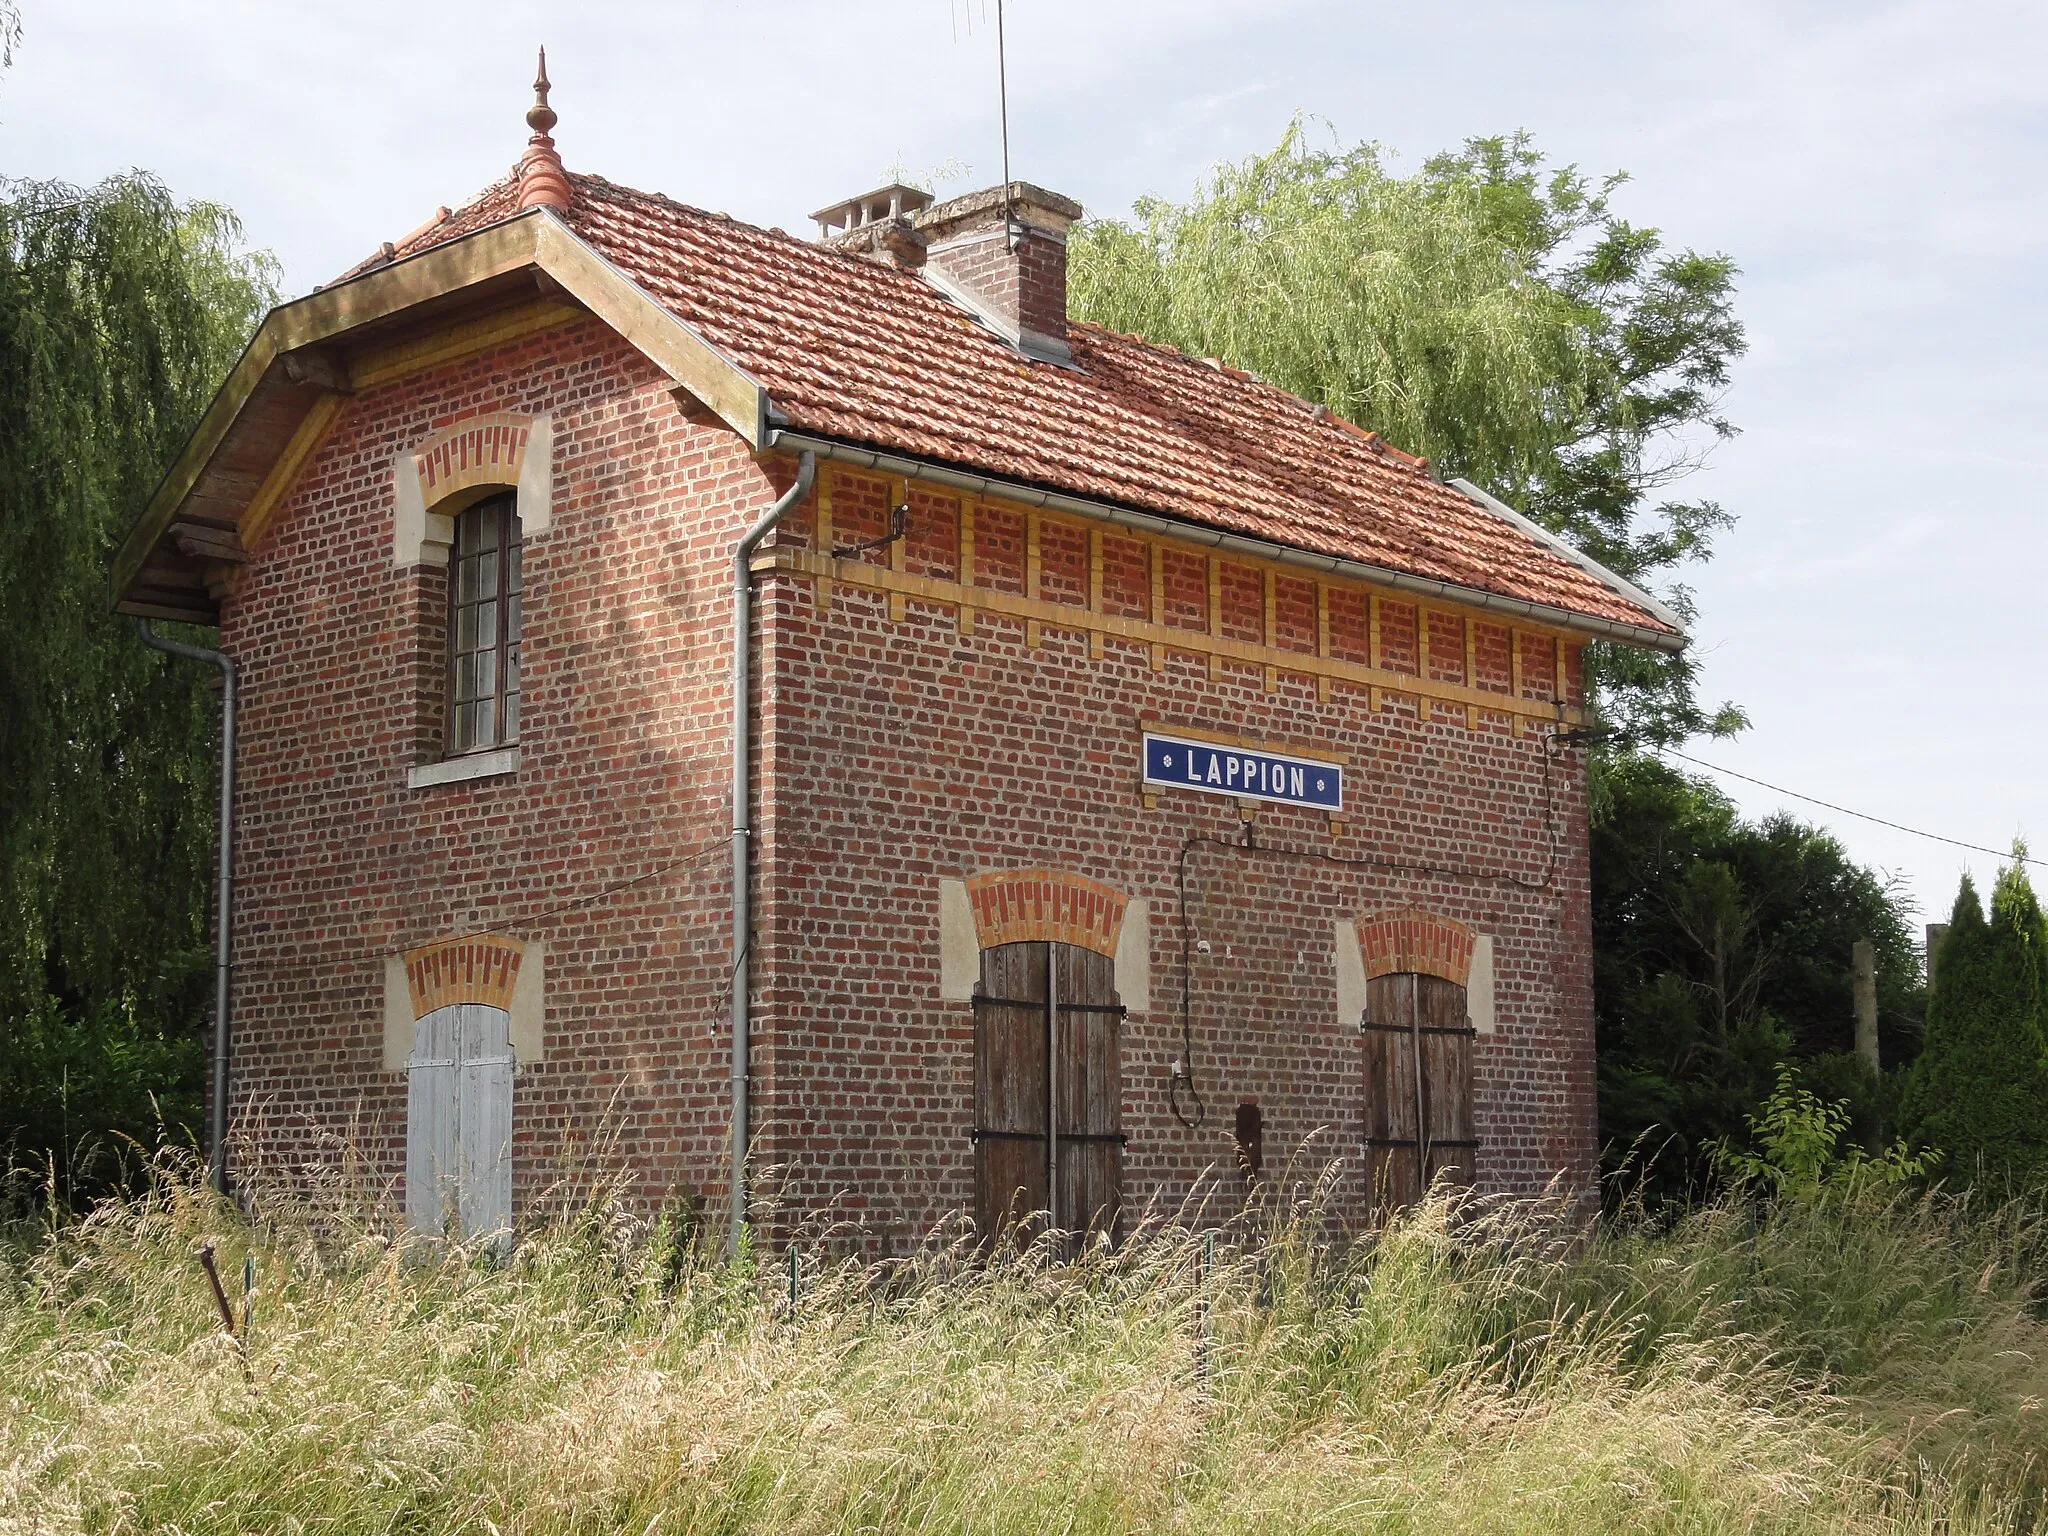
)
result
[(1171, 763)]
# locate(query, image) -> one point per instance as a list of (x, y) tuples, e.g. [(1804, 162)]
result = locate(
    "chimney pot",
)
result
[(894, 201), (877, 225)]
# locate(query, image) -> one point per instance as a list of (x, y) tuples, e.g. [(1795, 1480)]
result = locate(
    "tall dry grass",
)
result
[(1855, 1362)]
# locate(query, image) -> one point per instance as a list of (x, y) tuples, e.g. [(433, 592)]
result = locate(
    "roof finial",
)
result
[(542, 181)]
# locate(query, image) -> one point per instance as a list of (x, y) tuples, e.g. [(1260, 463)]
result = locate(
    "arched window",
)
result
[(483, 628)]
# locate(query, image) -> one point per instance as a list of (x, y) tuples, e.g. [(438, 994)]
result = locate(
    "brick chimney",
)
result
[(1002, 253)]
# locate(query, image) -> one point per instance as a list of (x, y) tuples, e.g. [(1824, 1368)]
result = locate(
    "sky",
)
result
[(1874, 170)]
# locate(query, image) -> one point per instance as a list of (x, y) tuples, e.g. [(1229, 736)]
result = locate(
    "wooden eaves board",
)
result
[(260, 418)]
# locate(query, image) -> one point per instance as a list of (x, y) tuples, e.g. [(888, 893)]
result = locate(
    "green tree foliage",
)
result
[(120, 311), (1487, 311), (1979, 1091), (1801, 1145), (1721, 952)]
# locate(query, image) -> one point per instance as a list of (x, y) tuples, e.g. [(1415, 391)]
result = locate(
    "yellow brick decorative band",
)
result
[(1393, 943), (482, 969), (1043, 612), (1016, 906)]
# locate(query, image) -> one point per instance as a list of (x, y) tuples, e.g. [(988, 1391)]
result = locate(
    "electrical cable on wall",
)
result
[(899, 521), (507, 929), (1182, 1082), (503, 930)]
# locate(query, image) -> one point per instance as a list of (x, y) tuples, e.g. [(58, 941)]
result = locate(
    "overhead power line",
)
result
[(1843, 810)]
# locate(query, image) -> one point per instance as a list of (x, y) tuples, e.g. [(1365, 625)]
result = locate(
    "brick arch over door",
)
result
[(1414, 942), (483, 969), (1016, 906)]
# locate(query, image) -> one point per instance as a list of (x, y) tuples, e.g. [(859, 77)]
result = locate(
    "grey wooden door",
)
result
[(458, 1149), (1047, 1052), (1419, 1123)]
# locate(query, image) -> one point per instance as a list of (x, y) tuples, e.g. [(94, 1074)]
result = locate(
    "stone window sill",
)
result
[(456, 770)]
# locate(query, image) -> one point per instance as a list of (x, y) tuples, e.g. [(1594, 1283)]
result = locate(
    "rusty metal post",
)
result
[(220, 1295)]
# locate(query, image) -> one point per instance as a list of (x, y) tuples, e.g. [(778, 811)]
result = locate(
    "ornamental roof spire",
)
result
[(542, 181)]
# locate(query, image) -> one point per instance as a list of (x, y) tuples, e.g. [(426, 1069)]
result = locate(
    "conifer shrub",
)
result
[(1979, 1092)]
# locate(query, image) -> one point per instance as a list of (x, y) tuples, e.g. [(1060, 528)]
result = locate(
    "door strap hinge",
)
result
[(1115, 1010), (1120, 1138)]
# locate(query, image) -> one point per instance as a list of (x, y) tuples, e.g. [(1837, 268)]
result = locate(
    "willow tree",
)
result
[(1494, 315), (120, 311)]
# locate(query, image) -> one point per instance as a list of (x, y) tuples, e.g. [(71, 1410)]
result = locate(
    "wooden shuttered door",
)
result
[(1010, 1086), (1047, 1050), (458, 1158), (1418, 1086)]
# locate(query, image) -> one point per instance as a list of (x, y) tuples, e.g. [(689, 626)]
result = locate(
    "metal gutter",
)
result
[(742, 826), (1195, 533), (223, 939)]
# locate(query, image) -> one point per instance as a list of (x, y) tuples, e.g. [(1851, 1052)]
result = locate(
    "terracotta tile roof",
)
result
[(848, 347)]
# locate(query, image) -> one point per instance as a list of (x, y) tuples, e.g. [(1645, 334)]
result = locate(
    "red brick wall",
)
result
[(624, 773), (892, 754), (898, 754)]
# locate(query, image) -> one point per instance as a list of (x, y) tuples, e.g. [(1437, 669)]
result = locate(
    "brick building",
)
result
[(1129, 746)]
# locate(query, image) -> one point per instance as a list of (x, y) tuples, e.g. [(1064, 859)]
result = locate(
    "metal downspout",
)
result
[(742, 829), (223, 940)]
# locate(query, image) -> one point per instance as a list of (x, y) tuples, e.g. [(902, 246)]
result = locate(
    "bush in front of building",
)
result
[(1852, 1359)]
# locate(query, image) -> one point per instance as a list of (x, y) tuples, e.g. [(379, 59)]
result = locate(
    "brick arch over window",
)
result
[(1016, 906), (459, 464), (483, 969), (483, 451), (1412, 940)]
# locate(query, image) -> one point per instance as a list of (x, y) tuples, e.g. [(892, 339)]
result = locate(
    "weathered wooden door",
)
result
[(458, 1152), (1047, 1052), (1418, 1087)]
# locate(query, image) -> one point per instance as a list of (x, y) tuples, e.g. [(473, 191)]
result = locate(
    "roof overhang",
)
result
[(1139, 520), (1620, 586), (299, 368)]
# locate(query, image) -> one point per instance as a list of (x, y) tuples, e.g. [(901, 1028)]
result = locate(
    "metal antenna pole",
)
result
[(1003, 98)]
